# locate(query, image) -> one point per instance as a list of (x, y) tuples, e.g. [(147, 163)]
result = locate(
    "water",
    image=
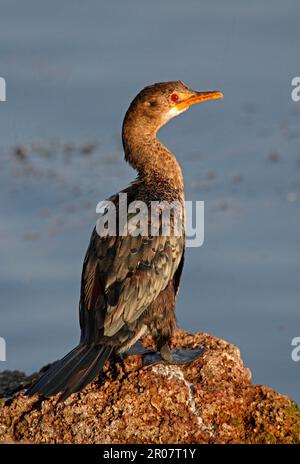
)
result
[(71, 70)]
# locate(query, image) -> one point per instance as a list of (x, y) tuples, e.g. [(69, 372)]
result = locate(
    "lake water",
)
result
[(71, 70)]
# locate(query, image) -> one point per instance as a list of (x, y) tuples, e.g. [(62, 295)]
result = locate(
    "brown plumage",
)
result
[(129, 283)]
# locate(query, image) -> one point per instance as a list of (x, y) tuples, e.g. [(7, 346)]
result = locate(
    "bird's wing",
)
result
[(122, 275)]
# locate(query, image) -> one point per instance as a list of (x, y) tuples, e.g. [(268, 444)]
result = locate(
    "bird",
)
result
[(130, 281)]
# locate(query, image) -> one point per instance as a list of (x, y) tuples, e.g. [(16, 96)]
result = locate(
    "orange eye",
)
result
[(174, 97)]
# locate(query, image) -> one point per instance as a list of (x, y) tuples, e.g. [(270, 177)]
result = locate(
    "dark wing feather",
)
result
[(122, 276)]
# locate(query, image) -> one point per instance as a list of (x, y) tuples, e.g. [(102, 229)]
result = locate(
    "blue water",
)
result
[(71, 70)]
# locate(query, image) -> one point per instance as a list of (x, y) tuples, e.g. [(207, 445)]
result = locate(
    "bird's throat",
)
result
[(151, 159)]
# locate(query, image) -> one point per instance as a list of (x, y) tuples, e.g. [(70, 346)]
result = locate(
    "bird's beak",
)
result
[(197, 98)]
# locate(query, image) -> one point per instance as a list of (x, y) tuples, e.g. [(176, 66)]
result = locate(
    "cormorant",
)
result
[(130, 281)]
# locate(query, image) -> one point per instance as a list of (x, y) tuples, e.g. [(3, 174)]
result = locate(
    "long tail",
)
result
[(73, 372)]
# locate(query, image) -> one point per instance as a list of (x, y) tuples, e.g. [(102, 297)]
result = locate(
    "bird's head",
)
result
[(156, 104)]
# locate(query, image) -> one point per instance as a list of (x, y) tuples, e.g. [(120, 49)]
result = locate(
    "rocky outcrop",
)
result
[(211, 400)]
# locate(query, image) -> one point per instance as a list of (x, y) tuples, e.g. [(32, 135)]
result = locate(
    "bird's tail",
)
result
[(73, 372)]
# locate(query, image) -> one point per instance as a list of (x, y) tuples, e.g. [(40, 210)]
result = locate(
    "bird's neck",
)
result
[(154, 163)]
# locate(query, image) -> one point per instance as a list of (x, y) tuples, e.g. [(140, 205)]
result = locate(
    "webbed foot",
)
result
[(177, 356), (138, 348)]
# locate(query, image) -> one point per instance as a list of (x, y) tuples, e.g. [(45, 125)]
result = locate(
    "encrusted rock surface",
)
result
[(211, 400)]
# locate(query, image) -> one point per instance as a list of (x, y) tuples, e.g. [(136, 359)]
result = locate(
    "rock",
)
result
[(211, 400)]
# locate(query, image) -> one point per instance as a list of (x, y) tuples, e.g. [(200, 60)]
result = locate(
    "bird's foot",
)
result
[(177, 356), (165, 354), (138, 348)]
